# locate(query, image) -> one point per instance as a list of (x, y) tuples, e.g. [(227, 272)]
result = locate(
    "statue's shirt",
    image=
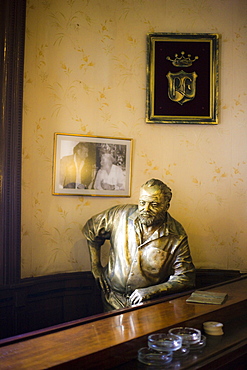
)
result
[(163, 260)]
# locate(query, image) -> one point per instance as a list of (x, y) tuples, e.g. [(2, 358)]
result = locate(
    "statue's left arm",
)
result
[(182, 278)]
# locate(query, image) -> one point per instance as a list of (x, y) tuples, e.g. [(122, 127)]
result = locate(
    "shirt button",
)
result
[(132, 273)]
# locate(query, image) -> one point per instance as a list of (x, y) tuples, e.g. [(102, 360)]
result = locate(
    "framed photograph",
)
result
[(182, 78), (90, 165)]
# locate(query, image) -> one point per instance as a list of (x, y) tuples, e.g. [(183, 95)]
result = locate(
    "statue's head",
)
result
[(154, 201)]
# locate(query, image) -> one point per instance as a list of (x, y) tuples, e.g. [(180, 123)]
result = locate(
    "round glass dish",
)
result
[(190, 335), (200, 344), (150, 357), (164, 342), (182, 351)]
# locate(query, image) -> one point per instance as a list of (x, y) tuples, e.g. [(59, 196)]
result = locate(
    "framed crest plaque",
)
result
[(182, 78)]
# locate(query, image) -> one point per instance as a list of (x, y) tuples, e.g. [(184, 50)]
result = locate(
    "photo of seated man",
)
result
[(77, 169)]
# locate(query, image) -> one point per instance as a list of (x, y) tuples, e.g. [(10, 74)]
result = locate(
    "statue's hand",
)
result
[(104, 285), (100, 279), (97, 271), (139, 295)]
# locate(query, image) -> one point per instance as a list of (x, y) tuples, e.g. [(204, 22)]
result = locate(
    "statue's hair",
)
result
[(160, 184)]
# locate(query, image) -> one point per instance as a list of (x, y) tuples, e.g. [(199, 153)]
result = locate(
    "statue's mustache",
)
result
[(146, 213)]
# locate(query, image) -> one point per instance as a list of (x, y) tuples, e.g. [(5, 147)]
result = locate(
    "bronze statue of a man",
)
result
[(149, 254)]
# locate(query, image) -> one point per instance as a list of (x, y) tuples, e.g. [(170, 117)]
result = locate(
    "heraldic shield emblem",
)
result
[(181, 86)]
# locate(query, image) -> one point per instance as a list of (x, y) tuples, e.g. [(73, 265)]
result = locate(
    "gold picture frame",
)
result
[(91, 165), (182, 78)]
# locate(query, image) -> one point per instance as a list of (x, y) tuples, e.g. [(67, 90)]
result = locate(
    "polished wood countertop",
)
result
[(113, 340)]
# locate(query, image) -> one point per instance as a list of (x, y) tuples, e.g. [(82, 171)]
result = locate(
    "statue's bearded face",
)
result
[(152, 206)]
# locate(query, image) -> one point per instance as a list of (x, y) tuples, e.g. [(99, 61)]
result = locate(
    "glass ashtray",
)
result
[(164, 342), (190, 335), (150, 357), (182, 351), (200, 344)]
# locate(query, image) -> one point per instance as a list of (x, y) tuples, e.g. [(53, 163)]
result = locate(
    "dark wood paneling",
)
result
[(207, 277), (12, 36), (46, 301)]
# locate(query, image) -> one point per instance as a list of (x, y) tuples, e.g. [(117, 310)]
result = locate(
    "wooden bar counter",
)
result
[(112, 340)]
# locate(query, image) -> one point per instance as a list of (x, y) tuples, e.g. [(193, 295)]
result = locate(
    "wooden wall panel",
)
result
[(42, 302)]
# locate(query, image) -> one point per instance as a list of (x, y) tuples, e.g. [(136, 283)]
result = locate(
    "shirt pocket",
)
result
[(153, 260)]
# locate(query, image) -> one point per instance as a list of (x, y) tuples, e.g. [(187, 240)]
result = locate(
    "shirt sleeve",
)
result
[(184, 270)]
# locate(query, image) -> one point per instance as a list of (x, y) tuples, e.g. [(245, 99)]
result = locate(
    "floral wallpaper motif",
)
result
[(85, 73)]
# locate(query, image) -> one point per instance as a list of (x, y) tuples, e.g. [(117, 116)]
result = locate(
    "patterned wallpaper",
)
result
[(85, 73)]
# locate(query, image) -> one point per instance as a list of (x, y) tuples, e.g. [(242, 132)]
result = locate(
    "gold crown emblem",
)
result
[(182, 61)]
